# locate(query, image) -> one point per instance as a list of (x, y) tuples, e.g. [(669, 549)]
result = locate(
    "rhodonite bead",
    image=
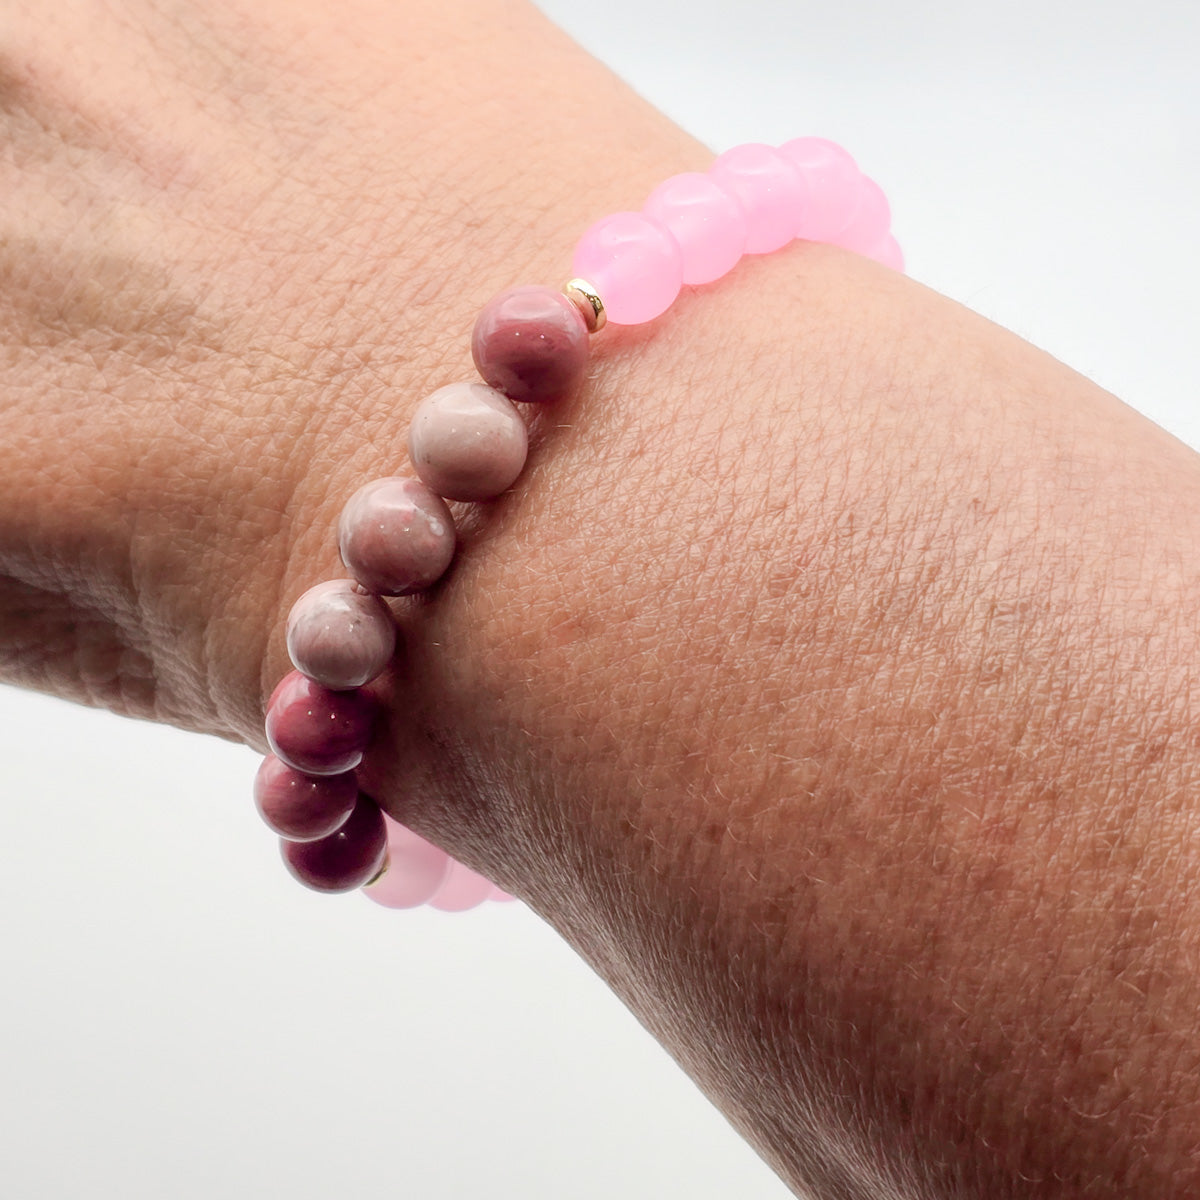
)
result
[(346, 859), (339, 637), (706, 221), (396, 536), (416, 869), (302, 807), (530, 343), (467, 441), (462, 889), (633, 263), (316, 730), (832, 179), (871, 222), (770, 190)]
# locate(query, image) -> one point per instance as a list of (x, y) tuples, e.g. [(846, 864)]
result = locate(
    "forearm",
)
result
[(819, 680)]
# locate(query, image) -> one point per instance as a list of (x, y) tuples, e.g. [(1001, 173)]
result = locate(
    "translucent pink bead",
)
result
[(339, 637), (301, 807), (633, 263), (315, 730), (832, 180), (345, 860), (888, 253), (769, 189), (871, 222), (531, 343), (706, 221), (396, 536), (462, 889), (467, 441), (500, 895), (416, 869)]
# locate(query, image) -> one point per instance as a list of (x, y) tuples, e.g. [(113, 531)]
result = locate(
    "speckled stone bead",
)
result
[(339, 637), (302, 807), (396, 536), (530, 343), (467, 442), (318, 731), (345, 860)]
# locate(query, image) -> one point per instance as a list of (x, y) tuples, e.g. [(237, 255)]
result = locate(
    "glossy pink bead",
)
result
[(467, 442), (871, 222), (345, 860), (888, 253), (315, 730), (633, 263), (706, 221), (832, 179), (416, 869), (770, 190), (396, 536), (531, 343), (302, 807), (339, 637), (462, 889)]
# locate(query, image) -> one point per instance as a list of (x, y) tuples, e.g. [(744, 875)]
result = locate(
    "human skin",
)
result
[(826, 677)]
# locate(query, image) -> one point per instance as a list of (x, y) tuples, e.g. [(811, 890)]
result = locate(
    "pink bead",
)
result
[(416, 869), (500, 895), (888, 253), (396, 536), (633, 263), (462, 889), (301, 807), (339, 637), (871, 222), (833, 187), (706, 221), (467, 442), (769, 189), (345, 860), (531, 343), (315, 730)]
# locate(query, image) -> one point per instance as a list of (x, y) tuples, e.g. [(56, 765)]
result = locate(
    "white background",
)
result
[(179, 1020)]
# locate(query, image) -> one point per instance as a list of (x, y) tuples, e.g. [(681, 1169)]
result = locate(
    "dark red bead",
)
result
[(302, 807), (318, 731), (345, 860)]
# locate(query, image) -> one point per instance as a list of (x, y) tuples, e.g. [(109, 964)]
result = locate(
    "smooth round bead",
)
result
[(339, 637), (500, 895), (832, 179), (467, 441), (345, 860), (316, 730), (531, 343), (872, 219), (706, 221), (633, 263), (888, 253), (462, 889), (770, 190), (302, 807), (396, 536), (416, 869)]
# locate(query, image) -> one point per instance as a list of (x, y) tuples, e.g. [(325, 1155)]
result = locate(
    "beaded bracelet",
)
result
[(468, 442)]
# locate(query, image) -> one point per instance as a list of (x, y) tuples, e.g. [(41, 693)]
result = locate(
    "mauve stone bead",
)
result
[(531, 343), (345, 860), (302, 807), (396, 536), (318, 731), (339, 637), (467, 442)]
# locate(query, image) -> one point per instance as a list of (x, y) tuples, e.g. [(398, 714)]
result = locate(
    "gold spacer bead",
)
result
[(587, 300), (383, 870)]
